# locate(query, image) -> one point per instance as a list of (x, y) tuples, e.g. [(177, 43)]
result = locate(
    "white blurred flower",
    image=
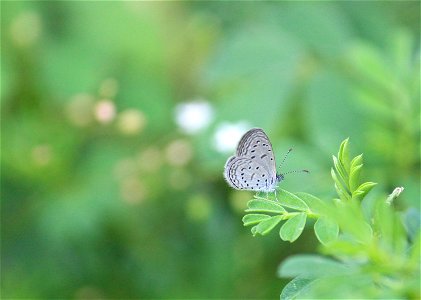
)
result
[(227, 135), (193, 116)]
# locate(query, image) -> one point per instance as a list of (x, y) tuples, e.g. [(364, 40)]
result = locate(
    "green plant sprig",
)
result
[(295, 210), (364, 255), (346, 175)]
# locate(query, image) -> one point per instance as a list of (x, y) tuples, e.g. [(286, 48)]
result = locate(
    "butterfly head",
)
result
[(279, 177)]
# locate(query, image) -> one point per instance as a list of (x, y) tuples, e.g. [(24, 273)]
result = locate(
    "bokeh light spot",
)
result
[(104, 111), (26, 28), (179, 153), (131, 121), (132, 190), (79, 110), (150, 159)]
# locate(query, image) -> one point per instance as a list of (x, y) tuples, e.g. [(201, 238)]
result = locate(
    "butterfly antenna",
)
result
[(295, 171), (285, 157)]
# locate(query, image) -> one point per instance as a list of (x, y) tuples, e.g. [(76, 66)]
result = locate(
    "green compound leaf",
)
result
[(261, 205), (292, 201), (326, 230), (252, 219), (316, 205), (293, 228), (295, 287), (266, 226)]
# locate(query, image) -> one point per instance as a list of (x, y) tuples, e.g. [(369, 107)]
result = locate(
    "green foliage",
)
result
[(346, 175), (295, 287), (363, 256), (326, 230), (292, 228), (291, 208), (133, 206)]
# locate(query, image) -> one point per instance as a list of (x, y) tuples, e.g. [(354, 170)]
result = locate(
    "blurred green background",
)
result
[(117, 119)]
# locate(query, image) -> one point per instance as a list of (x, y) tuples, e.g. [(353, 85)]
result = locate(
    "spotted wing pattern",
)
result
[(253, 167)]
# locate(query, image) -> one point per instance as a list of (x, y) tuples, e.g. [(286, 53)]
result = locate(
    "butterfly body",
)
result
[(253, 167)]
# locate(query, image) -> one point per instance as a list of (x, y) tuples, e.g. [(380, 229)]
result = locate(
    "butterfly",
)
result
[(253, 168)]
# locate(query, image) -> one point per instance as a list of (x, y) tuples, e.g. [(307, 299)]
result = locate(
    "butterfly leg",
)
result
[(258, 195)]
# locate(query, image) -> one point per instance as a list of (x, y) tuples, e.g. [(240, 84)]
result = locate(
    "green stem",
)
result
[(289, 215)]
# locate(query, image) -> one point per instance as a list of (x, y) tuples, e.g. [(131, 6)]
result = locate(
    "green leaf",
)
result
[(252, 219), (346, 247), (354, 177), (342, 192), (295, 287), (351, 220), (357, 160), (343, 196), (366, 186), (326, 230), (254, 230), (343, 154), (316, 205), (352, 286), (293, 228), (265, 206), (389, 227), (266, 226), (363, 190), (292, 201), (342, 174), (312, 266)]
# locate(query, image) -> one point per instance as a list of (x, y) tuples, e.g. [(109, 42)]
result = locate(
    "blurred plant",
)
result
[(366, 254), (386, 84)]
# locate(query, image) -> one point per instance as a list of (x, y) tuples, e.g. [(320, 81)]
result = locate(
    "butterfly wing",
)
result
[(255, 144), (253, 168), (243, 173)]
